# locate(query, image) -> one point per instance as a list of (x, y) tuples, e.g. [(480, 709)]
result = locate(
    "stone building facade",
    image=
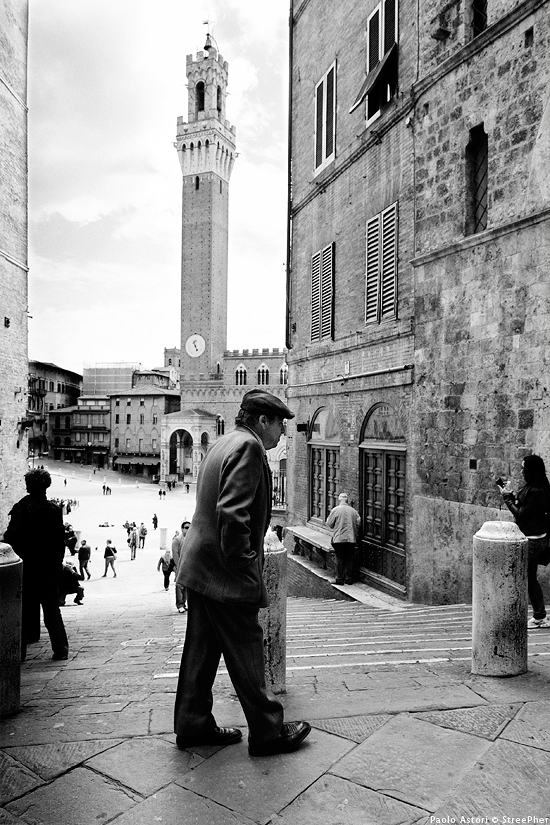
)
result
[(49, 388), (80, 434), (418, 283), (213, 379), (13, 252)]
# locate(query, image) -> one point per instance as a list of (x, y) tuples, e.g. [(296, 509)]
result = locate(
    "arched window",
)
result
[(67, 422), (263, 375), (57, 422), (219, 99), (240, 375), (197, 182), (199, 96), (324, 464), (283, 374), (220, 426)]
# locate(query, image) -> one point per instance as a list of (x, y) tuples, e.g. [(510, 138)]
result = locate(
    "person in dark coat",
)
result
[(37, 535), (221, 566), (70, 583)]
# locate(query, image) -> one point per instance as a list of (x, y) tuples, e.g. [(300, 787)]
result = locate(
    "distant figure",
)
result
[(84, 554), (104, 489), (127, 526), (142, 533), (70, 583), (110, 558), (345, 522), (64, 482), (177, 547), (70, 539), (160, 494), (133, 541), (37, 535), (167, 563), (187, 488), (155, 521)]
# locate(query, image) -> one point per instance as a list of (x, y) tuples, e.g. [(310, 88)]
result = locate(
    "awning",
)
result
[(149, 460), (373, 76)]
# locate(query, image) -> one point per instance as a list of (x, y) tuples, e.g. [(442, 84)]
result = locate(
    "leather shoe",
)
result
[(217, 736), (290, 739), (60, 657)]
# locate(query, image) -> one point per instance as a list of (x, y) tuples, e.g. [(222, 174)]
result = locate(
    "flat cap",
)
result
[(262, 402)]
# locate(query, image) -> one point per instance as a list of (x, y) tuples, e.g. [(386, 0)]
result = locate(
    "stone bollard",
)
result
[(11, 585), (499, 600), (273, 618)]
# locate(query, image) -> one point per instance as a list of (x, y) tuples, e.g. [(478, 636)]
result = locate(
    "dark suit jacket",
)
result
[(223, 554), (37, 535)]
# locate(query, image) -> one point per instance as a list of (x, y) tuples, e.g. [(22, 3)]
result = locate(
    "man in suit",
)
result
[(222, 567)]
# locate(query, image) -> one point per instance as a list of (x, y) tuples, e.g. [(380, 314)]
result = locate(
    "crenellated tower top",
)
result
[(206, 142)]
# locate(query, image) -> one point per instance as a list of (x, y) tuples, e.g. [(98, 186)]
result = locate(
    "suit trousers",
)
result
[(44, 593), (214, 628)]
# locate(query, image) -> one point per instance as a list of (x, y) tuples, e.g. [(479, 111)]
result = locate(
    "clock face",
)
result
[(194, 346)]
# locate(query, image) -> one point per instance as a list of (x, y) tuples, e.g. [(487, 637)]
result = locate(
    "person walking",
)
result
[(110, 557), (344, 521), (531, 510), (132, 541), (221, 567), (155, 521), (142, 532), (84, 555), (36, 533), (166, 562), (177, 547)]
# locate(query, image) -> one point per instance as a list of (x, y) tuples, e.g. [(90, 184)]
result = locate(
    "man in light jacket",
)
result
[(345, 522), (221, 567)]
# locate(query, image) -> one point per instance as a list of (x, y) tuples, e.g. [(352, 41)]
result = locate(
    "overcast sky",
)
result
[(106, 84)]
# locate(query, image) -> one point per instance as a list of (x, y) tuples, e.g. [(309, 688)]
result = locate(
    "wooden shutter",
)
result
[(319, 120), (329, 142), (388, 264), (390, 24), (374, 40), (373, 269), (316, 297), (327, 291)]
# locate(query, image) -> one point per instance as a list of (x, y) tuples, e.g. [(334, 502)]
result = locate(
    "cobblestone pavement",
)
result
[(403, 733)]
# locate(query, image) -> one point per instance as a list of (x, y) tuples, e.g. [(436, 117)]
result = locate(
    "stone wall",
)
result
[(13, 252)]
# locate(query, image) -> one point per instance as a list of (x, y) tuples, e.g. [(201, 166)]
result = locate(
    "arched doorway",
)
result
[(382, 463), (324, 464), (181, 454)]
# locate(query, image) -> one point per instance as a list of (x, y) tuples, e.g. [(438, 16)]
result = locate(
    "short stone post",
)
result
[(11, 586), (499, 600), (273, 618)]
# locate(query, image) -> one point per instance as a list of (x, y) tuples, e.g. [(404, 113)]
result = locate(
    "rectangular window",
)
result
[(380, 85), (142, 402), (322, 294), (141, 418), (381, 266), (325, 480), (117, 402), (128, 402), (128, 419), (155, 418), (101, 436), (477, 184), (140, 445), (127, 443), (51, 386), (117, 441), (117, 419), (154, 443), (325, 119), (77, 436), (479, 17)]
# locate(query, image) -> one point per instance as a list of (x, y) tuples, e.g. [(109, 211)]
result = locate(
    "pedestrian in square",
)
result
[(166, 562), (177, 548), (110, 558), (84, 555)]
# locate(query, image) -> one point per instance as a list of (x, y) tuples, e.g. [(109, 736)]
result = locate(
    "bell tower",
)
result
[(206, 149)]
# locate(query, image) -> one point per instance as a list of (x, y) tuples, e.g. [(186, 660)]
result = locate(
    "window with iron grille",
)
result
[(325, 119), (322, 294), (324, 465), (477, 184), (381, 266), (479, 17)]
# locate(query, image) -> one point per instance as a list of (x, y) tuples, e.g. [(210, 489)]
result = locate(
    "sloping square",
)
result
[(531, 726), (416, 760)]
